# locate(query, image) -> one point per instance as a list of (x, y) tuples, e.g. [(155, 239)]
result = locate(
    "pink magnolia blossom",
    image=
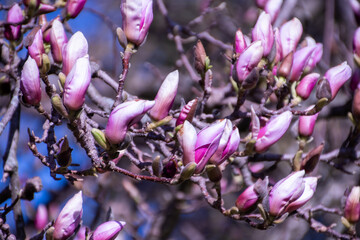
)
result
[(74, 7), (248, 60), (290, 34), (69, 218), (57, 40), (123, 116), (273, 131), (307, 124), (273, 7), (352, 205), (137, 17), (165, 97), (240, 43), (263, 31), (36, 49), (77, 47), (247, 199), (108, 230), (187, 112), (337, 76), (77, 83), (306, 85), (14, 15), (300, 60), (30, 82)]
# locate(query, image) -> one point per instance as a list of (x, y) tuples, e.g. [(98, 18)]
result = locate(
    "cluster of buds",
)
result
[(214, 143)]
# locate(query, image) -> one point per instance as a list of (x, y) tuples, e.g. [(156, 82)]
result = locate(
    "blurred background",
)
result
[(152, 209)]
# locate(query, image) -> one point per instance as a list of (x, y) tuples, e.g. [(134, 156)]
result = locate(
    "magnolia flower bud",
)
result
[(165, 97), (30, 82), (57, 40), (273, 7), (123, 116), (187, 112), (36, 47), (306, 85), (240, 43), (307, 124), (337, 76), (41, 218), (200, 58), (311, 159), (309, 190), (108, 230), (77, 47), (352, 205), (272, 131), (286, 191), (301, 58), (137, 17), (14, 15), (247, 199), (74, 7), (200, 148), (45, 8), (46, 30), (263, 31), (248, 60), (69, 218), (290, 34), (77, 83), (286, 65)]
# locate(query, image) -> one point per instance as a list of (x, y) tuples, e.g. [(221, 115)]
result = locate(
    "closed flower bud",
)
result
[(74, 7), (77, 83), (311, 159), (45, 8), (306, 85), (263, 31), (14, 15), (290, 34), (200, 58), (30, 82), (247, 199), (273, 7), (286, 65), (36, 47), (123, 116), (45, 28), (165, 97), (272, 131), (187, 112), (301, 58), (41, 217), (57, 40), (248, 60), (240, 43), (337, 76), (352, 205), (137, 16), (309, 190), (307, 124), (108, 230), (77, 47), (356, 42), (286, 191), (187, 138), (225, 137), (69, 218)]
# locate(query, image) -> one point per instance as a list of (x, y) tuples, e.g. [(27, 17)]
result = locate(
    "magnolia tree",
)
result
[(253, 129)]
